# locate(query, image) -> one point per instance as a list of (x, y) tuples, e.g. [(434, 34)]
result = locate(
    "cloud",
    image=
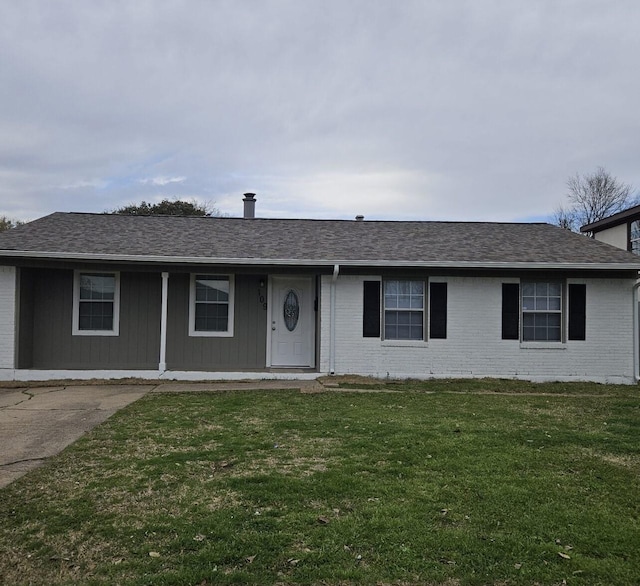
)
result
[(346, 194), (457, 110), (161, 181), (86, 183)]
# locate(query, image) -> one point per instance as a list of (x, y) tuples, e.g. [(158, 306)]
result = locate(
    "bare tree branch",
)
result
[(565, 218), (592, 197), (597, 195)]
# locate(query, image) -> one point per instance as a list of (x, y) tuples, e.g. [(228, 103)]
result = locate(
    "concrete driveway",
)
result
[(37, 423)]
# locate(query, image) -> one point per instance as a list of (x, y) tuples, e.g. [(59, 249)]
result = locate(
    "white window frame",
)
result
[(422, 311), (561, 311), (76, 331), (192, 307)]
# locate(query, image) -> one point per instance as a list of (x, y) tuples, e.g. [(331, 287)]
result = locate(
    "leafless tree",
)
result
[(565, 218), (592, 197)]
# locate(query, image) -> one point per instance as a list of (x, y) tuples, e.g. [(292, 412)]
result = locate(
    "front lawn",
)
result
[(462, 485)]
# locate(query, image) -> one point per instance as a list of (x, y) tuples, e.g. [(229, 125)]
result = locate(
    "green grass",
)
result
[(487, 484)]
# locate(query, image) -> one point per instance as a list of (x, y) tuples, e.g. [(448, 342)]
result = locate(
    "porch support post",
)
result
[(636, 332), (163, 323), (332, 321)]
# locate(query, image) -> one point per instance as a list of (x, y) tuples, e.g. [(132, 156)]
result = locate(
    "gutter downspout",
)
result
[(162, 366), (636, 333), (332, 321)]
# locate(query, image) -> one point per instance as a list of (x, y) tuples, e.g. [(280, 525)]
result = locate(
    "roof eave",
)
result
[(612, 221), (617, 266)]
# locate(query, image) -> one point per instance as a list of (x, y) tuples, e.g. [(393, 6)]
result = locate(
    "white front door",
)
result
[(292, 321)]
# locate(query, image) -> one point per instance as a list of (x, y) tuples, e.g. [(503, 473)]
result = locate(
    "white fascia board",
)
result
[(317, 262)]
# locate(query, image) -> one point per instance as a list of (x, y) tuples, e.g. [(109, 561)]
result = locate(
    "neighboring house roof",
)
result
[(308, 242), (614, 220)]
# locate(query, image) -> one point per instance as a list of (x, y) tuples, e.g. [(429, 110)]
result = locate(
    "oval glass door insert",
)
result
[(291, 310)]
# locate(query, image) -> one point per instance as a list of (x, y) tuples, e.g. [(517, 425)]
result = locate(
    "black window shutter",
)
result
[(577, 312), (371, 312), (510, 311), (438, 310)]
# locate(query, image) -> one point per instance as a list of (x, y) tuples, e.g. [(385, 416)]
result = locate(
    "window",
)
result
[(634, 237), (403, 310), (211, 307), (96, 304), (542, 311)]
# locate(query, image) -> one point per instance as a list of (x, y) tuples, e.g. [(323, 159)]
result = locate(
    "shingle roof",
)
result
[(308, 242)]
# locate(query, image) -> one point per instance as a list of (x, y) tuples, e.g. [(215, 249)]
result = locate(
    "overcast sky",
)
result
[(430, 110)]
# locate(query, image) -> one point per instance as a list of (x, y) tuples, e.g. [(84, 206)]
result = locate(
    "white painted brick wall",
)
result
[(474, 347), (7, 316)]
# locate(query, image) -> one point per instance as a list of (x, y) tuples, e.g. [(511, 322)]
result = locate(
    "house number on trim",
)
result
[(291, 310)]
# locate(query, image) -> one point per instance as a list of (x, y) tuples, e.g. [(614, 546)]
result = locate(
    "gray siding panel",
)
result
[(45, 340), (246, 350), (52, 345)]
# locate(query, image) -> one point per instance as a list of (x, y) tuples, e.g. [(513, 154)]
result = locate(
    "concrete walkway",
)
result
[(305, 386), (39, 422)]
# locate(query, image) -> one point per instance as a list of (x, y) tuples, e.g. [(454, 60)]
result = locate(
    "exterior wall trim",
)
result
[(328, 263), (228, 333), (267, 358), (75, 318), (13, 374)]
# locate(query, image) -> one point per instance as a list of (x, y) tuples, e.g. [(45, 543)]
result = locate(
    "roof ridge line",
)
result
[(341, 220)]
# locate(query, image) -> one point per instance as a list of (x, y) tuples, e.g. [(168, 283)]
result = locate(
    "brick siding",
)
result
[(474, 345)]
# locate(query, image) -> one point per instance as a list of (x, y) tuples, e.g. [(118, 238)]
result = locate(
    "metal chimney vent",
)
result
[(249, 205)]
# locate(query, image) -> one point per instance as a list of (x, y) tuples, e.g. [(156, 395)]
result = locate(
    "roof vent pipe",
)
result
[(249, 205), (359, 218)]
